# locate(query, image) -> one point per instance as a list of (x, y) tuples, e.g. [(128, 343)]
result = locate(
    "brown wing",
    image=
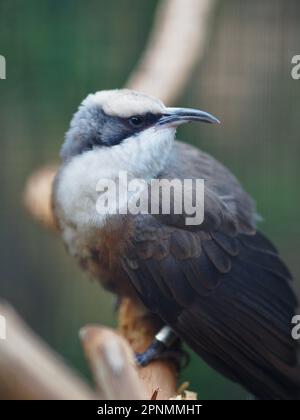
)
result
[(221, 286), (228, 208), (228, 297)]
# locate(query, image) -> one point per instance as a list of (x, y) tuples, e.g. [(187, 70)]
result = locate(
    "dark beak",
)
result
[(177, 116)]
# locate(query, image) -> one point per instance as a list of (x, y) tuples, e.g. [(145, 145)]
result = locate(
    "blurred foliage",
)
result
[(59, 51)]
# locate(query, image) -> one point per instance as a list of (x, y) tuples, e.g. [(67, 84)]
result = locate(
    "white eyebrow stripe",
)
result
[(124, 103)]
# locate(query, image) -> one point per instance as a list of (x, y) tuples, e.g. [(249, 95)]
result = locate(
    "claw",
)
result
[(166, 345), (159, 351), (141, 359), (153, 352)]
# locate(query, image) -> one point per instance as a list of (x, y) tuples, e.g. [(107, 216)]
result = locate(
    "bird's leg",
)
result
[(161, 347)]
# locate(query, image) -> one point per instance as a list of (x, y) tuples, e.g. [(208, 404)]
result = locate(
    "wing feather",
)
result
[(221, 286), (229, 298)]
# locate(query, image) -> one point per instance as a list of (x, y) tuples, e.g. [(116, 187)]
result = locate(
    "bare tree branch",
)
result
[(176, 43), (30, 370), (112, 364), (138, 328), (37, 196)]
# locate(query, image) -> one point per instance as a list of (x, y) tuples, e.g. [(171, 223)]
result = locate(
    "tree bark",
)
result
[(30, 370)]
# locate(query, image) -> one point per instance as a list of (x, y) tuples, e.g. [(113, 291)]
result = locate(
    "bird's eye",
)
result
[(136, 121)]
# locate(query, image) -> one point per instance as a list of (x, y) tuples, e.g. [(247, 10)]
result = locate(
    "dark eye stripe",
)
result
[(152, 118), (113, 130), (143, 121)]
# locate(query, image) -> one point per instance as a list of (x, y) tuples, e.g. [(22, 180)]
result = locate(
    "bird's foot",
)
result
[(153, 352), (179, 357), (166, 345)]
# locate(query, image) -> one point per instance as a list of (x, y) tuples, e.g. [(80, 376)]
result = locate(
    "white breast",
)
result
[(142, 156)]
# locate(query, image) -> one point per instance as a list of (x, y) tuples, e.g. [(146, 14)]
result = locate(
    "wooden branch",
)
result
[(30, 370), (139, 328), (37, 196), (112, 364), (177, 41)]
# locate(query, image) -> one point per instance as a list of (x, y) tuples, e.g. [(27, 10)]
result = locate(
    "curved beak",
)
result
[(177, 116)]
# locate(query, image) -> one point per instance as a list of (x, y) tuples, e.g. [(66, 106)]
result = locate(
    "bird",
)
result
[(220, 285)]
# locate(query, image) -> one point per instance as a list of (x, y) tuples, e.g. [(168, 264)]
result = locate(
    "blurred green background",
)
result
[(59, 51)]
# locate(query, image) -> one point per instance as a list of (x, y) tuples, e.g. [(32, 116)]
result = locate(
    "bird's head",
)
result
[(114, 132), (110, 118)]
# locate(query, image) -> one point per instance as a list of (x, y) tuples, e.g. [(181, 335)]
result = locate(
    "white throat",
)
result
[(141, 156)]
